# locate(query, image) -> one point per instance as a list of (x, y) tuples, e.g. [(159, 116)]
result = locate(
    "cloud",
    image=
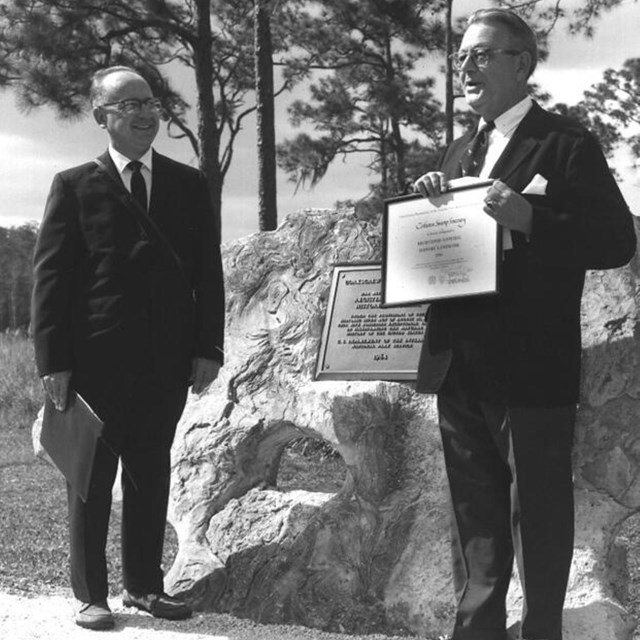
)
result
[(25, 176), (567, 85)]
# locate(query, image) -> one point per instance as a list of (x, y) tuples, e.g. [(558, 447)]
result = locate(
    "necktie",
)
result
[(138, 186), (474, 155)]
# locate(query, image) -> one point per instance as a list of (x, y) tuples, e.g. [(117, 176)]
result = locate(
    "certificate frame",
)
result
[(440, 248)]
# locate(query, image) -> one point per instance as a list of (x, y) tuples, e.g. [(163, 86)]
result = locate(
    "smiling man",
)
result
[(506, 368), (128, 311)]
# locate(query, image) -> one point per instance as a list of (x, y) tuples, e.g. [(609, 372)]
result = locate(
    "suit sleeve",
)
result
[(583, 221), (54, 279), (208, 284)]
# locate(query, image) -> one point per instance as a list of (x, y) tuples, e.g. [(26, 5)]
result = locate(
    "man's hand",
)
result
[(203, 373), (508, 208), (431, 184), (56, 385)]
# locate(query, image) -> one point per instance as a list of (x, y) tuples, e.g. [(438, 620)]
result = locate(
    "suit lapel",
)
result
[(107, 169), (520, 148), (451, 161), (523, 144), (107, 166), (516, 152), (149, 230), (159, 184)]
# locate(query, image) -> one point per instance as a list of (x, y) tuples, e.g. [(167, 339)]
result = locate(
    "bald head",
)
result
[(124, 106)]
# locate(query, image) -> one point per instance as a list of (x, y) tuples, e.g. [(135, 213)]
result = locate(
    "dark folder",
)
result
[(70, 437)]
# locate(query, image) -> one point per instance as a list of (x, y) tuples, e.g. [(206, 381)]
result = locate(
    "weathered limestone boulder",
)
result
[(607, 453), (374, 555)]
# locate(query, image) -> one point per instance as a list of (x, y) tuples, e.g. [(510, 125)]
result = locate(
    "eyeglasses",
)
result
[(133, 106), (479, 57)]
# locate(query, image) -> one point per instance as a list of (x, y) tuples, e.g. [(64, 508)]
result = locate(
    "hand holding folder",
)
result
[(70, 437)]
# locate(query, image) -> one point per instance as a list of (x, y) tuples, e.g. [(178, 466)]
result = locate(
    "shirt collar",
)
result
[(507, 122), (121, 161)]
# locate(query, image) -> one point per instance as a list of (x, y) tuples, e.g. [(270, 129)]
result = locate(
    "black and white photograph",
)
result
[(319, 319)]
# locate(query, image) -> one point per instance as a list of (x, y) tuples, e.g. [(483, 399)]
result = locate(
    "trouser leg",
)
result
[(508, 468), (146, 458), (88, 529), (543, 523), (482, 552)]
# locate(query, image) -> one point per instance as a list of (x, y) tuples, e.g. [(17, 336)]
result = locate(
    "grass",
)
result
[(20, 391), (33, 511), (32, 531)]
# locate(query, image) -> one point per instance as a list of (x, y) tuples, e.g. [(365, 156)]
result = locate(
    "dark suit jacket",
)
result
[(522, 347), (110, 297)]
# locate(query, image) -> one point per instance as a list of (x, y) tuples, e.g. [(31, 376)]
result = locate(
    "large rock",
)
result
[(374, 555), (343, 561)]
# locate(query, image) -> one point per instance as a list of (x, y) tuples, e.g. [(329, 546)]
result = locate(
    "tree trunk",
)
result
[(265, 118), (208, 133), (396, 132), (384, 162), (399, 145), (449, 73)]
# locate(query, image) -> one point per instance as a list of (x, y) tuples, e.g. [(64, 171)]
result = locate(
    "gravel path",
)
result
[(51, 618)]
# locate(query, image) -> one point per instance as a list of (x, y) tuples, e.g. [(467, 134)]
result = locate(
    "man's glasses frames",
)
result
[(133, 106), (479, 57)]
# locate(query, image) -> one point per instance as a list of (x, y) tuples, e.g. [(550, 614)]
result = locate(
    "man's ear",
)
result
[(100, 117), (524, 64)]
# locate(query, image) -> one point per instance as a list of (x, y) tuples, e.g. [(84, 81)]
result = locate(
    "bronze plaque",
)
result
[(362, 340)]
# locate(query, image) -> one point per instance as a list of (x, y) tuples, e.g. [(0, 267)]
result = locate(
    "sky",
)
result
[(37, 145)]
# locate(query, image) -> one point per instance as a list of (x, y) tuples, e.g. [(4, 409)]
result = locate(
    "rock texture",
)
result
[(374, 556), (341, 562), (607, 454)]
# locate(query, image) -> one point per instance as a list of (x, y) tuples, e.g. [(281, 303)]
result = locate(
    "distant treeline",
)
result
[(16, 275)]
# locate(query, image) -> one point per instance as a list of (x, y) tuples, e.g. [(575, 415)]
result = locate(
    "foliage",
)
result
[(610, 109), (614, 104), (367, 97), (608, 134), (49, 50), (370, 94), (546, 15), (16, 251), (20, 393), (366, 60)]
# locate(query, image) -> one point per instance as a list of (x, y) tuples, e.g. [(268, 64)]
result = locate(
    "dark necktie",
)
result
[(138, 186), (474, 155)]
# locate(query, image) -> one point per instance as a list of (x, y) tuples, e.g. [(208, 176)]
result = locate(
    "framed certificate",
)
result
[(438, 248)]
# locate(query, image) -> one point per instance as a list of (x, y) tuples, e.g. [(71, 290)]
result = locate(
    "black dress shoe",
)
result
[(94, 615), (159, 605)]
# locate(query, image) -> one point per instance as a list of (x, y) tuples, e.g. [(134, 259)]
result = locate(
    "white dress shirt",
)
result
[(506, 123), (121, 162)]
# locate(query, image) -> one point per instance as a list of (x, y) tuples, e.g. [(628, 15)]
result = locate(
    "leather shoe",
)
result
[(159, 605), (94, 615)]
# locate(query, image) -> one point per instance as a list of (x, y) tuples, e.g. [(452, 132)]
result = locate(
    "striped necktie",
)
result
[(474, 155)]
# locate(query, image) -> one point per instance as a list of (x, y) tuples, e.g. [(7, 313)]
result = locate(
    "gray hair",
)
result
[(516, 26)]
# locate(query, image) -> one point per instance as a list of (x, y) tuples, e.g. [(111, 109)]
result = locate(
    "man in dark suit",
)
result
[(128, 310), (506, 368)]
